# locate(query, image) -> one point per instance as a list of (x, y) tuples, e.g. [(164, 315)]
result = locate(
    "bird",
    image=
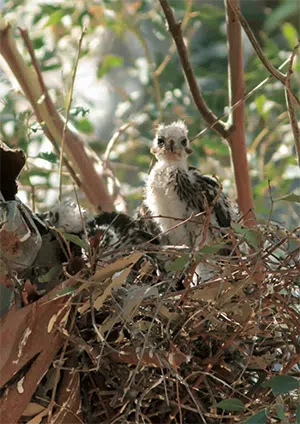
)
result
[(176, 192)]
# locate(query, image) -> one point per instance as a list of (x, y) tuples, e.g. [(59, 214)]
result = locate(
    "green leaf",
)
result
[(232, 404), (280, 413), (77, 240), (259, 418), (80, 110), (51, 274), (179, 263), (298, 414), (290, 33), (109, 61), (292, 197), (251, 236), (55, 17), (281, 384), (260, 102), (85, 126), (66, 290), (214, 248), (48, 156)]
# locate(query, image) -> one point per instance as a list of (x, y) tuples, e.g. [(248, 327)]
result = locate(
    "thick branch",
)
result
[(237, 118), (175, 29), (85, 160)]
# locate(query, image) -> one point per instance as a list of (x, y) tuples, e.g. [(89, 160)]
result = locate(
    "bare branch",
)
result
[(175, 29), (85, 160), (237, 11), (68, 113), (237, 139), (265, 61)]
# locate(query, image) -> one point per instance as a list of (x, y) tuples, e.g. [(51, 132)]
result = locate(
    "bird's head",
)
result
[(171, 143)]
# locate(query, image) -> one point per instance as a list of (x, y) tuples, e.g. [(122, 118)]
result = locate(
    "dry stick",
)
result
[(237, 139), (68, 112), (290, 105), (36, 65), (82, 156), (175, 29)]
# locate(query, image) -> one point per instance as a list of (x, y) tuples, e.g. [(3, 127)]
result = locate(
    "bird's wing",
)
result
[(206, 192), (144, 220)]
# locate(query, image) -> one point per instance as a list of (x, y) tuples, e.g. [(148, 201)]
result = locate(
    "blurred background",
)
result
[(129, 73)]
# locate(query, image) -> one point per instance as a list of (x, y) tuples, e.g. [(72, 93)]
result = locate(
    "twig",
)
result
[(36, 65), (175, 29), (68, 112), (291, 103), (115, 138)]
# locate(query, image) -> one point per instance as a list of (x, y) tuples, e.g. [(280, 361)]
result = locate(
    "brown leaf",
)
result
[(24, 335)]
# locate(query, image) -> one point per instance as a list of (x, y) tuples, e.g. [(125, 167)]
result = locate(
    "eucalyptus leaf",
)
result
[(77, 240), (233, 405), (281, 384), (259, 418)]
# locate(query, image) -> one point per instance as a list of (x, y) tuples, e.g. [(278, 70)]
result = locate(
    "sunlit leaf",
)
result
[(233, 404), (292, 197), (290, 33), (281, 384), (77, 240), (51, 274), (259, 418), (85, 126), (108, 62), (55, 17)]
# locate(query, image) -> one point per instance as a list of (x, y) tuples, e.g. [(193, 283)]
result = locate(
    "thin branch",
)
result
[(268, 65), (239, 102), (172, 49), (85, 160), (237, 138), (291, 106), (68, 112), (36, 65), (175, 29), (114, 139)]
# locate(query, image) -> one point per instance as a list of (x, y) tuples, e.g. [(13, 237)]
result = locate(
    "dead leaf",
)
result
[(32, 409)]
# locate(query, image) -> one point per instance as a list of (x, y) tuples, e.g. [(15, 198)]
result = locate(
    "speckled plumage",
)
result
[(175, 190)]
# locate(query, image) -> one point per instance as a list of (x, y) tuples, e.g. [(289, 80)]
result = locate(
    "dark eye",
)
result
[(184, 142), (160, 142)]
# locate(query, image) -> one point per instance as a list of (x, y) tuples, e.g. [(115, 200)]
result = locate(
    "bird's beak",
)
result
[(170, 146)]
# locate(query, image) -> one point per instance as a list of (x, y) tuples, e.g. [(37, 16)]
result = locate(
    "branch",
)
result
[(237, 117), (84, 159), (265, 61), (208, 115)]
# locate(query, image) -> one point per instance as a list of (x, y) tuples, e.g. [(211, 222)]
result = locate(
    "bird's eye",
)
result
[(184, 142), (160, 142)]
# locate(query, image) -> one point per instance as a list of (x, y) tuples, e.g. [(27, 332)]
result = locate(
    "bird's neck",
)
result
[(165, 163)]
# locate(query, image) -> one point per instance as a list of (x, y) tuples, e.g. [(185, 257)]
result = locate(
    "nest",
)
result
[(119, 342)]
